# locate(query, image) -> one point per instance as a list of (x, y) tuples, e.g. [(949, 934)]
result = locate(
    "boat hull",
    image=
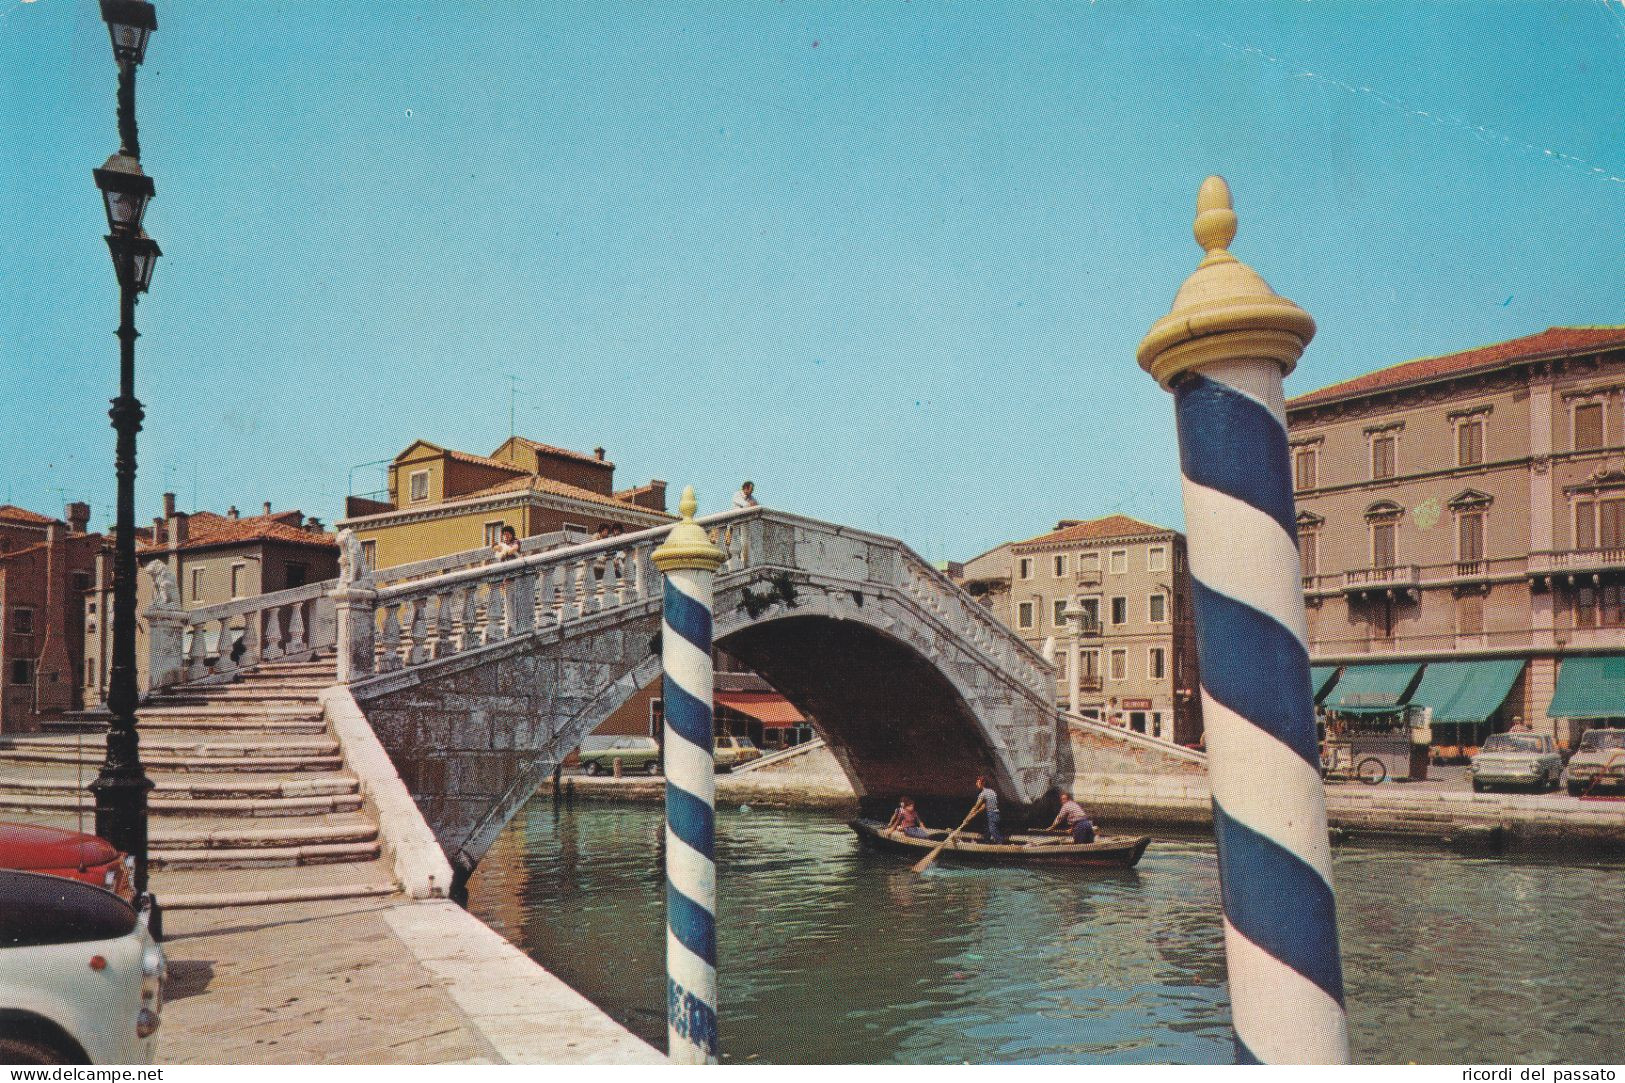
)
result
[(1121, 851)]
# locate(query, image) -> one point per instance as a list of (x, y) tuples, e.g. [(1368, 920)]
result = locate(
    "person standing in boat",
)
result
[(990, 805), (906, 820), (1074, 819)]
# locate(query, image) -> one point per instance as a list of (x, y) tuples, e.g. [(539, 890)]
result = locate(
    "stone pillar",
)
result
[(1223, 351), (166, 658), (689, 561), (354, 609)]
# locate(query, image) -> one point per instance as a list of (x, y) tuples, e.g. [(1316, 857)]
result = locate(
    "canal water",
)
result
[(833, 954)]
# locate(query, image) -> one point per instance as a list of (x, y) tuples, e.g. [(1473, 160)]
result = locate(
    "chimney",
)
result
[(169, 505), (268, 507), (231, 512), (179, 528), (157, 530), (314, 525), (78, 517), (657, 494), (598, 453)]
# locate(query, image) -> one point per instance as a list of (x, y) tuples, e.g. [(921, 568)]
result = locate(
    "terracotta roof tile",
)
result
[(1109, 526), (566, 452), (222, 531), (1552, 342), (485, 460), (23, 515), (540, 484), (37, 547)]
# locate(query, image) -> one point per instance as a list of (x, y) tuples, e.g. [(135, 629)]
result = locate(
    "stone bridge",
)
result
[(478, 678)]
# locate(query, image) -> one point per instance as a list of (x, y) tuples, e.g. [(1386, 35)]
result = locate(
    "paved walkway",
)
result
[(370, 981)]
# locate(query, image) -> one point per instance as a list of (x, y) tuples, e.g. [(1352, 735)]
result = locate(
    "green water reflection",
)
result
[(831, 954)]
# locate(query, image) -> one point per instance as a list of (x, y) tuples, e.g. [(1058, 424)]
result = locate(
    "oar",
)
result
[(925, 862)]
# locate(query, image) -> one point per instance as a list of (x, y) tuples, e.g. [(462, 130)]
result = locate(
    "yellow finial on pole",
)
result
[(687, 546)]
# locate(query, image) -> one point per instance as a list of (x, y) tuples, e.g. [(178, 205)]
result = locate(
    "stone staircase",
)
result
[(247, 776)]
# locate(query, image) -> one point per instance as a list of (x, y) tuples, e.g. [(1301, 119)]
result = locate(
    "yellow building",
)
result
[(442, 501)]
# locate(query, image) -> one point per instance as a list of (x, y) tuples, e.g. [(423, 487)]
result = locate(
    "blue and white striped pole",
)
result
[(1223, 351), (688, 561)]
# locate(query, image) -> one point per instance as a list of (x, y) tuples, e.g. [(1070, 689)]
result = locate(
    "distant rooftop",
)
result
[(1108, 526), (1552, 342)]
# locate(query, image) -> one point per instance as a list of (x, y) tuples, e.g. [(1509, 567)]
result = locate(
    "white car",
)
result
[(81, 979)]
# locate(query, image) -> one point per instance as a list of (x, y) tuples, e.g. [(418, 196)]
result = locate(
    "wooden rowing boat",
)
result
[(1122, 851)]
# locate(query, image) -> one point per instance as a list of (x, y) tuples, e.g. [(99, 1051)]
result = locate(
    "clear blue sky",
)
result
[(890, 260)]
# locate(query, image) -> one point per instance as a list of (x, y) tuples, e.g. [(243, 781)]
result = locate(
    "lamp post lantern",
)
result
[(1074, 615), (122, 784)]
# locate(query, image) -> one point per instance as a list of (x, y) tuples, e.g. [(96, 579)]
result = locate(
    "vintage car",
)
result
[(35, 848), (81, 978), (1599, 762), (599, 755), (732, 751), (1517, 759)]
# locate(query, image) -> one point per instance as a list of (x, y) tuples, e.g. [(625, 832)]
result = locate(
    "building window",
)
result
[(1059, 569), (1305, 469), (1599, 606), (239, 580), (1119, 610), (1309, 552), (1588, 426), (22, 671), (1156, 663), (1384, 447), (1119, 561), (1470, 614), (1156, 558), (1024, 614), (1088, 671), (1089, 565), (1119, 664), (1470, 536), (369, 554), (418, 486), (1058, 607), (1024, 568), (1599, 524), (81, 580), (1159, 608), (493, 532), (1470, 441), (90, 672), (1382, 617), (1382, 544), (295, 574), (197, 584), (22, 621), (1060, 665)]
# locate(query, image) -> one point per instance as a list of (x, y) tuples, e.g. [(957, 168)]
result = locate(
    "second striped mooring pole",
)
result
[(688, 561), (1223, 351)]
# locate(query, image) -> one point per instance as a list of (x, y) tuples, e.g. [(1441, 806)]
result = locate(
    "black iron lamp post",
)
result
[(121, 786)]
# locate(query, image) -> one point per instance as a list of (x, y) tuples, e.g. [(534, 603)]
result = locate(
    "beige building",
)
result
[(443, 501), (1471, 509), (1132, 654)]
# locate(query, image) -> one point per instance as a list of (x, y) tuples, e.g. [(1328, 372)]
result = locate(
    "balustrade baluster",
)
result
[(471, 622), (223, 648), (580, 583), (522, 592), (391, 659), (251, 638), (445, 644), (197, 664), (612, 580), (545, 601), (492, 611), (296, 629), (641, 570), (416, 655), (273, 633)]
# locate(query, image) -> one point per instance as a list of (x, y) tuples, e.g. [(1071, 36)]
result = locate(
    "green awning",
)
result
[(1466, 691), (1591, 687), (1373, 686), (1320, 680)]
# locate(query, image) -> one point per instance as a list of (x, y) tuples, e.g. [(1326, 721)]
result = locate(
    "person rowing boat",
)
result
[(1074, 819)]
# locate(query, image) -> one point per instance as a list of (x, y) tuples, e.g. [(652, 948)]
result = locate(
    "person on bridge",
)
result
[(507, 545), (743, 498), (1075, 819), (990, 805), (906, 820)]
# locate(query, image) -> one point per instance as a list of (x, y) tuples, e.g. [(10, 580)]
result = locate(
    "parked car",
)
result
[(81, 978), (730, 752), (31, 848), (600, 754), (1517, 759), (1599, 762)]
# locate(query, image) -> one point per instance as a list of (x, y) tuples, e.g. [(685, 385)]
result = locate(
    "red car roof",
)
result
[(26, 846)]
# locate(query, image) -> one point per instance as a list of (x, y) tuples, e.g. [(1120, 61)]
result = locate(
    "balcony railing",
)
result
[(1088, 684), (1398, 577), (1564, 563)]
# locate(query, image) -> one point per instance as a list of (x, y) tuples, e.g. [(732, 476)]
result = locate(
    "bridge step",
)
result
[(263, 858), (91, 759), (173, 786), (238, 833), (196, 727), (39, 799)]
